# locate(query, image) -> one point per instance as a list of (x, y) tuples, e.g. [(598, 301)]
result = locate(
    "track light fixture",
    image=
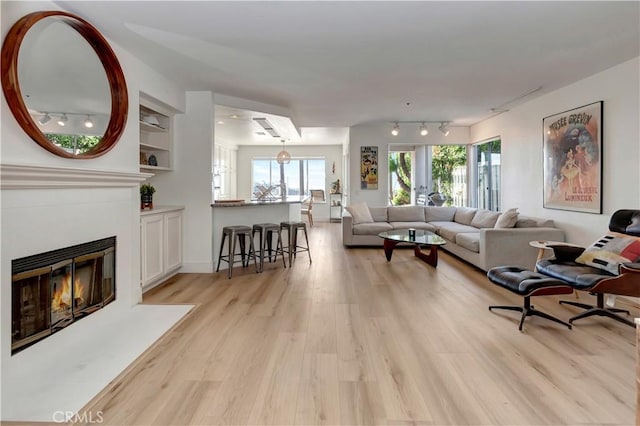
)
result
[(88, 123), (62, 120), (44, 119), (424, 131), (396, 129)]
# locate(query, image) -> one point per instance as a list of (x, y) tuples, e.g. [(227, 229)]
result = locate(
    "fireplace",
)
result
[(51, 290)]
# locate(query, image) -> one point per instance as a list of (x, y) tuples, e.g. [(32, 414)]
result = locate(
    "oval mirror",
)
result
[(64, 84)]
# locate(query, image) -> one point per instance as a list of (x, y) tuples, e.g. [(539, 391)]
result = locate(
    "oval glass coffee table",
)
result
[(422, 238)]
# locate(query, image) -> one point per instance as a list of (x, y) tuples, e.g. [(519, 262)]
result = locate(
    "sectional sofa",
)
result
[(481, 237)]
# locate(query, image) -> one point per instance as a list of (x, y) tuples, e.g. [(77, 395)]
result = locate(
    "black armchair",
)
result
[(598, 281)]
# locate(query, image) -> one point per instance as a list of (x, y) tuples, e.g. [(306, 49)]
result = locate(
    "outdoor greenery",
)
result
[(444, 159), (400, 166), (76, 144)]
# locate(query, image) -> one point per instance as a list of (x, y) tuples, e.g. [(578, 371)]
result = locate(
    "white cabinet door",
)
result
[(173, 240), (152, 247)]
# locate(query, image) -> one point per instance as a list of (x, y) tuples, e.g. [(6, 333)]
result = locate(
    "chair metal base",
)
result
[(600, 310), (528, 310)]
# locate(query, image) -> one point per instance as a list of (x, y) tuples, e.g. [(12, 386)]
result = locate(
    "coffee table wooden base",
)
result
[(431, 257)]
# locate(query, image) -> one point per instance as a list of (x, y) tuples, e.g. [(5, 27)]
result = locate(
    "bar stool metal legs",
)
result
[(266, 231), (241, 232), (293, 248)]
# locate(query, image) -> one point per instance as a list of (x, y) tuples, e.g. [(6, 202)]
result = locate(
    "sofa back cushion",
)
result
[(485, 219), (507, 219), (405, 214), (439, 214), (464, 215), (379, 214), (531, 222), (360, 213)]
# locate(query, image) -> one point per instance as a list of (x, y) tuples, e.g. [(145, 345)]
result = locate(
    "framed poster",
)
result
[(368, 167), (573, 159)]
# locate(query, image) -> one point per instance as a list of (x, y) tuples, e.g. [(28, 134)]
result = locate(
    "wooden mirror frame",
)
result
[(117, 83)]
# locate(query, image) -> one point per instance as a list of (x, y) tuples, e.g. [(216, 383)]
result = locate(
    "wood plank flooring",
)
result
[(353, 339)]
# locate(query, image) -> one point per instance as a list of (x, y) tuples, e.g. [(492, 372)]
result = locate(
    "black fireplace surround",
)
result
[(50, 291)]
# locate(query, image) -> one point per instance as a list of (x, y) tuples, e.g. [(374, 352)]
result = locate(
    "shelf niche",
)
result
[(155, 137)]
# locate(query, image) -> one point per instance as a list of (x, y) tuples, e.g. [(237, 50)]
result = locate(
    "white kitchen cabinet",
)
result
[(160, 245)]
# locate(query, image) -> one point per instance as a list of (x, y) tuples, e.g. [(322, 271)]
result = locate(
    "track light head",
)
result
[(444, 128), (88, 123), (396, 129), (423, 130), (44, 119), (62, 120)]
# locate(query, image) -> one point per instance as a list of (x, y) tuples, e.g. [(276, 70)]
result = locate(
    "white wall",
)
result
[(521, 133), (38, 220), (379, 134), (190, 182), (331, 153)]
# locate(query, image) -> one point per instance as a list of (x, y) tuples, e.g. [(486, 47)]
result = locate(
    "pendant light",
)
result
[(283, 156)]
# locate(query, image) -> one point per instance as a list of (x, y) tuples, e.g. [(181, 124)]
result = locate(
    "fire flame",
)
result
[(61, 298)]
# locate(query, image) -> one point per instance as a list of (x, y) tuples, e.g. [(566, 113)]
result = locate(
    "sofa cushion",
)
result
[(373, 228), (485, 219), (417, 225), (507, 219), (525, 223), (464, 215), (433, 214), (470, 241), (530, 222), (379, 214), (449, 230), (360, 213), (610, 250), (405, 214)]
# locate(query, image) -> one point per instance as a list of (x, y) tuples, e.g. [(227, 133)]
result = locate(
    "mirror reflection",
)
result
[(64, 86)]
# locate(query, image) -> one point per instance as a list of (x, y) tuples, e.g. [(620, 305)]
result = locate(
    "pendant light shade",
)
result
[(283, 156)]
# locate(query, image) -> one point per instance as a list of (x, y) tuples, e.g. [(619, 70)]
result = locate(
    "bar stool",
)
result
[(292, 228), (241, 232), (266, 231)]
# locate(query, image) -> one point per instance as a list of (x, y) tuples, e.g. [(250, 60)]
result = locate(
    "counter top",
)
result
[(257, 203), (160, 209)]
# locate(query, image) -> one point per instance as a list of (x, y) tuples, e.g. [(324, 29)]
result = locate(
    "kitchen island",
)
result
[(249, 213)]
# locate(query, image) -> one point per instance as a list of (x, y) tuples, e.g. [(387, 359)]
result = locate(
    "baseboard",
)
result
[(196, 268)]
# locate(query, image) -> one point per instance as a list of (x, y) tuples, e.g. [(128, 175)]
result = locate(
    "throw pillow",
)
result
[(611, 250), (360, 213), (507, 219), (564, 253), (485, 219)]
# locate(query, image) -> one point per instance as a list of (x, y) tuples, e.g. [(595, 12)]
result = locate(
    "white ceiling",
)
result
[(338, 64)]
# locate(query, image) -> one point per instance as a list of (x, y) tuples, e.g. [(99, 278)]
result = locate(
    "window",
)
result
[(487, 174), (449, 175), (299, 177)]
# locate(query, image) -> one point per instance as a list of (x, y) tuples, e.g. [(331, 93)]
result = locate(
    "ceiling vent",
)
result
[(267, 126)]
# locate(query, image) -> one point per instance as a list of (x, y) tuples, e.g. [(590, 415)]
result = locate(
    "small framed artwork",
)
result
[(143, 158), (368, 167), (572, 145)]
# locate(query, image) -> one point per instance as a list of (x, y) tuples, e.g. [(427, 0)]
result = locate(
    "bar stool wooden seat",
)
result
[(240, 232), (292, 249), (266, 232)]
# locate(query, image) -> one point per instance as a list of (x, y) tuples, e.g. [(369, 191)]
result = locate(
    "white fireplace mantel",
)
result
[(27, 176)]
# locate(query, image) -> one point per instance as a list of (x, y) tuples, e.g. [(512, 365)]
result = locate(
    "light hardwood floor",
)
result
[(353, 339)]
